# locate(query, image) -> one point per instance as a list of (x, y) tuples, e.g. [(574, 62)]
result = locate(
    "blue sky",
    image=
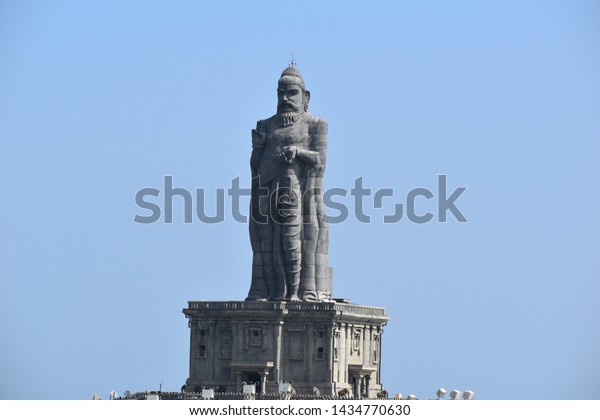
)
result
[(100, 99)]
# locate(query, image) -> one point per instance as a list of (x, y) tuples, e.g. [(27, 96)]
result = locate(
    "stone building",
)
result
[(324, 346)]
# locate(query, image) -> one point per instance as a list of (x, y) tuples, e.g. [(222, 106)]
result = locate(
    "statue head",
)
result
[(292, 96)]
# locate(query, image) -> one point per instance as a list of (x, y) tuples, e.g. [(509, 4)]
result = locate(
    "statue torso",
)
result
[(297, 134)]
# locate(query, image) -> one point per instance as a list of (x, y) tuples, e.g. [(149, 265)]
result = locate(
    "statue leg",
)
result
[(276, 292), (291, 227), (310, 236), (258, 287), (267, 234), (323, 272)]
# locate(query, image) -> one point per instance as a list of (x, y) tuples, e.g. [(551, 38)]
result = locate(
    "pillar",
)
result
[(263, 382), (238, 381), (357, 386)]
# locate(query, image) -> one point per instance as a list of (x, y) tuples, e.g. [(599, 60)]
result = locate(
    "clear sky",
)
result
[(100, 99)]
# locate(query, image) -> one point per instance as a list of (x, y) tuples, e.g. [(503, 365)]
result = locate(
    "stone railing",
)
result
[(360, 310), (234, 396), (289, 306), (235, 305)]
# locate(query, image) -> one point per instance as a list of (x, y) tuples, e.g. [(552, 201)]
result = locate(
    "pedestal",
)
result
[(319, 347)]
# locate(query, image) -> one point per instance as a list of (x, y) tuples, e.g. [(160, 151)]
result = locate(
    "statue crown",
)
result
[(291, 76)]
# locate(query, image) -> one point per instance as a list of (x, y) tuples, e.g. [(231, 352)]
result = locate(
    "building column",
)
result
[(234, 353), (365, 347), (278, 343), (368, 386), (238, 381), (379, 358), (369, 346), (347, 345), (356, 388), (263, 382), (329, 345), (193, 325), (211, 348), (310, 351)]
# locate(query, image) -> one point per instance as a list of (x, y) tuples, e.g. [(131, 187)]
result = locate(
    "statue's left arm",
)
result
[(316, 154)]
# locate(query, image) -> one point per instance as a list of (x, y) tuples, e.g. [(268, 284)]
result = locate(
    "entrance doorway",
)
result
[(252, 378)]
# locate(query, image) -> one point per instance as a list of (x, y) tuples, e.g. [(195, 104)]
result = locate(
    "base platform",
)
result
[(318, 347)]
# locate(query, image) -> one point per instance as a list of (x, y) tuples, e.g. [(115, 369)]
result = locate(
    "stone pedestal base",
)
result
[(322, 347)]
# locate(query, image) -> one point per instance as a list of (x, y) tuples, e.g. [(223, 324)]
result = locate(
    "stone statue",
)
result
[(288, 226)]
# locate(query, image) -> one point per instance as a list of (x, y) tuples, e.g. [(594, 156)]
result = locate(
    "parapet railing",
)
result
[(290, 306), (237, 396)]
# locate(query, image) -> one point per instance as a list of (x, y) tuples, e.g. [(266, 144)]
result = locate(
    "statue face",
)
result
[(289, 98)]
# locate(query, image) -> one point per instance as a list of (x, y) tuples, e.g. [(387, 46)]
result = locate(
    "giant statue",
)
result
[(288, 227)]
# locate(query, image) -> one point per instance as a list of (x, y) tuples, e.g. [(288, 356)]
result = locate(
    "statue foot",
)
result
[(294, 298)]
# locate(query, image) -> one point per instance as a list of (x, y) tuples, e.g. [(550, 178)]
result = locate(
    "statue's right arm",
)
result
[(255, 160), (259, 138)]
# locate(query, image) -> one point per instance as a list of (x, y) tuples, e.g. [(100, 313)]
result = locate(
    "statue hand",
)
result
[(287, 154), (281, 157), (290, 153)]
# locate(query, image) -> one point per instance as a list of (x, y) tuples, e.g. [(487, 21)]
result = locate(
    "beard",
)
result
[(287, 117)]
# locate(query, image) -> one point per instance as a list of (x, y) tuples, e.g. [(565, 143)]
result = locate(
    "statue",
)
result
[(288, 227)]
